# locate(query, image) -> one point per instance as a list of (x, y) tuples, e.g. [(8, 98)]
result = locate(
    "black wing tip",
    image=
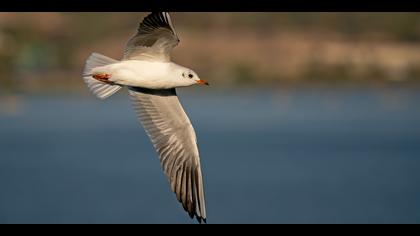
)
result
[(157, 12), (197, 217), (157, 19), (201, 219)]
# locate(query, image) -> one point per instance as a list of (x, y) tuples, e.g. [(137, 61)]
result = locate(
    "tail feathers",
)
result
[(100, 89)]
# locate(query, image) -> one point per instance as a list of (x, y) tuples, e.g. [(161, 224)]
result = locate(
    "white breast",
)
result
[(145, 74)]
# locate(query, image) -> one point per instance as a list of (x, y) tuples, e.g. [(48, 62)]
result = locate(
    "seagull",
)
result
[(151, 77)]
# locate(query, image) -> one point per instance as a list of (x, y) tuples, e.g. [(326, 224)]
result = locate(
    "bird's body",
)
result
[(145, 74), (151, 78)]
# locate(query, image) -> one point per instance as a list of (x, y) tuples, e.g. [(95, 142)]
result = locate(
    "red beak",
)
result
[(202, 82)]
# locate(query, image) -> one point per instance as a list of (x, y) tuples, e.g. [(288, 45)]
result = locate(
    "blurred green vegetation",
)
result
[(46, 51), (398, 26)]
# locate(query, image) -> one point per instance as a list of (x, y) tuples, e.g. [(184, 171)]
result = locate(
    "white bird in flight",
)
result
[(151, 79)]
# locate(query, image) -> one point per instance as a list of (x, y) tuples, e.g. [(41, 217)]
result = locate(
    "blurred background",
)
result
[(310, 118)]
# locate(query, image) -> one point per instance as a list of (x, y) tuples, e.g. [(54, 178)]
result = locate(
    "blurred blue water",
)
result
[(285, 156)]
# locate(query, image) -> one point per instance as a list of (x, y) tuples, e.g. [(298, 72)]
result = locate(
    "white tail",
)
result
[(100, 89)]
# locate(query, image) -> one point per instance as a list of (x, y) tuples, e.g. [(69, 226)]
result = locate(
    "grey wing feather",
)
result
[(173, 136), (154, 39)]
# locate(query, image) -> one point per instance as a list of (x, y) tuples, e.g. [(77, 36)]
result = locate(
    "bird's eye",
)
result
[(190, 76)]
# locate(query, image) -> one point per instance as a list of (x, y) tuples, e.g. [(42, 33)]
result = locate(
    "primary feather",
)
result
[(173, 137)]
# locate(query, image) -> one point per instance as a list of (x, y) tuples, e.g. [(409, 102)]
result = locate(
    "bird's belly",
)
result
[(140, 76)]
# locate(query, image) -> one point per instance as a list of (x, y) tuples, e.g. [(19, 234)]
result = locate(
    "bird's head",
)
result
[(192, 78)]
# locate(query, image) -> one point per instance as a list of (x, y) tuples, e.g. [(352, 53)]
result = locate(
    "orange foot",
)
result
[(102, 77)]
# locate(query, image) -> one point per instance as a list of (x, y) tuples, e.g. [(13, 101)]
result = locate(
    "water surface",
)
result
[(287, 156)]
